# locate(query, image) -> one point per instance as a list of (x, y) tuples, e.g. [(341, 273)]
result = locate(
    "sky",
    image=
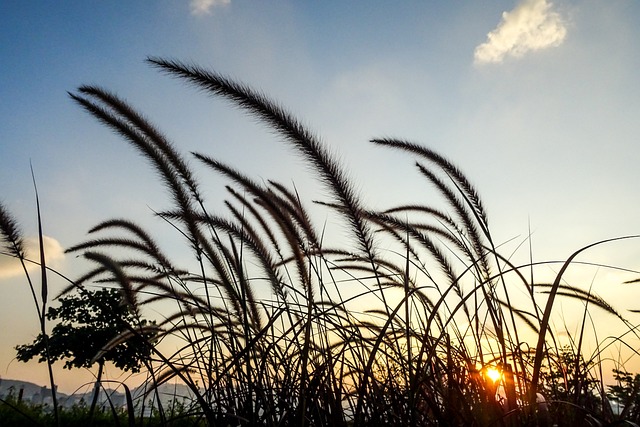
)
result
[(536, 101)]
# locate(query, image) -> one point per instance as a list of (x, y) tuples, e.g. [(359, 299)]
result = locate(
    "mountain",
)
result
[(37, 394), (27, 391)]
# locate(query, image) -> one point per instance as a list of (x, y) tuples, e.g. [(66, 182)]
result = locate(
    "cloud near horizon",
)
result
[(531, 25), (204, 7), (54, 252)]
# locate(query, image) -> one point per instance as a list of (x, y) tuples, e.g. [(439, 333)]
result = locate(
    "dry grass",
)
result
[(273, 326)]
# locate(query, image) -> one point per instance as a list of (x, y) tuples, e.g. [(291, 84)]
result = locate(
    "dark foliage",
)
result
[(86, 322), (396, 323)]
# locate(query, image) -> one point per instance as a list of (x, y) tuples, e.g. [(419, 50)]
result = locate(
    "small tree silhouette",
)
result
[(88, 321), (626, 393)]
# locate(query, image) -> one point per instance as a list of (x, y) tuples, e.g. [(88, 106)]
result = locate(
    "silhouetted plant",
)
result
[(396, 324), (86, 322), (13, 246), (626, 393)]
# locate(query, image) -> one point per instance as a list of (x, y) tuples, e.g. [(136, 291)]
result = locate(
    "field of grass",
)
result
[(413, 318)]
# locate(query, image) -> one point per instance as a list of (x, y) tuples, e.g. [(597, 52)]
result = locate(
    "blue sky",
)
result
[(537, 102)]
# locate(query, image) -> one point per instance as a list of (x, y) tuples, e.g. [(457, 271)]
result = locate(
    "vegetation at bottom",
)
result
[(15, 413), (412, 317)]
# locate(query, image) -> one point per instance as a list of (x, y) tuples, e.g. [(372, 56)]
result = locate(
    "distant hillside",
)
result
[(8, 386), (34, 392)]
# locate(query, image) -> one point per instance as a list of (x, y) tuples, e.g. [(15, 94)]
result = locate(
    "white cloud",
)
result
[(203, 7), (532, 25), (11, 267)]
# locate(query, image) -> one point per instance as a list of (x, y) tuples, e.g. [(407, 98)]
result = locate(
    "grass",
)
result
[(17, 413), (397, 324)]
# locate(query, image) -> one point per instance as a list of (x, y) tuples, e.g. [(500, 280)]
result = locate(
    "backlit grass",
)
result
[(414, 318)]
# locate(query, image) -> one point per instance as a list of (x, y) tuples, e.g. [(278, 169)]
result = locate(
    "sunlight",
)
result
[(493, 373)]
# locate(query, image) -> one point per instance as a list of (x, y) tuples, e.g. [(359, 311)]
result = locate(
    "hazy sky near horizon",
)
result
[(538, 102)]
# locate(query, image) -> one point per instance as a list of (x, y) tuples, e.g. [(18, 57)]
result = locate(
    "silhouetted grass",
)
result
[(278, 327)]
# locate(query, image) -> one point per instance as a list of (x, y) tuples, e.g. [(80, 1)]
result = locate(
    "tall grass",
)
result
[(13, 245), (278, 327)]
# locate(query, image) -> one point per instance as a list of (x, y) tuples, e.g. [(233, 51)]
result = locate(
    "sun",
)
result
[(493, 373)]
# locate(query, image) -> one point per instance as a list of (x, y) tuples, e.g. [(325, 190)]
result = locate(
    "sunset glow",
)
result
[(493, 373), (536, 101)]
